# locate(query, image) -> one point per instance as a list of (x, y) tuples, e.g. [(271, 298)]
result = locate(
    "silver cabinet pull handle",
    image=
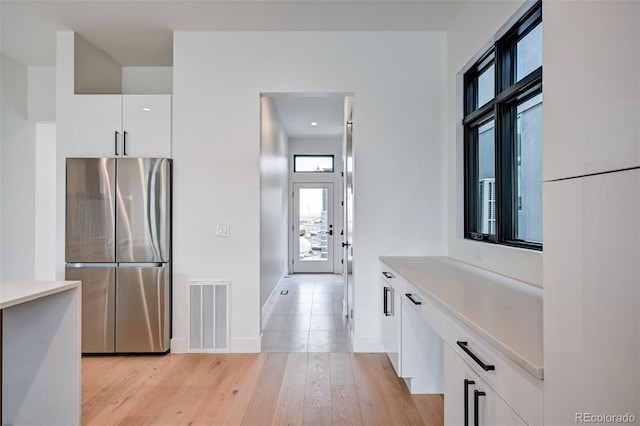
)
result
[(388, 302)]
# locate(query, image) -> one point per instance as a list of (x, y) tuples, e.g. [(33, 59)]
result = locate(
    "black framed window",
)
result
[(503, 138), (313, 164)]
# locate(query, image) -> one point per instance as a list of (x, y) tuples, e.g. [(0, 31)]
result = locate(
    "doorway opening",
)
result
[(304, 285)]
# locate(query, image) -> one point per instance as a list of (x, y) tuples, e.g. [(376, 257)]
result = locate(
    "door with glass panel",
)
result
[(312, 230)]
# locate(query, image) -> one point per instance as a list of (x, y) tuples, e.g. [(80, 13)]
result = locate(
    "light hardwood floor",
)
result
[(251, 389)]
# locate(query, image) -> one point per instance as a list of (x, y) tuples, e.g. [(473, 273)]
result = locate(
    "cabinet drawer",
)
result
[(428, 311), (517, 387), (392, 279), (469, 400)]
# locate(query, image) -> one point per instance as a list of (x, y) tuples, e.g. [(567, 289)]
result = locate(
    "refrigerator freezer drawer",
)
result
[(98, 307), (142, 317)]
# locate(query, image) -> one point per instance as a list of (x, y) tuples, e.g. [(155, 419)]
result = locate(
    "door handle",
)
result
[(124, 143), (346, 244), (116, 142), (467, 382), (476, 411), (388, 301)]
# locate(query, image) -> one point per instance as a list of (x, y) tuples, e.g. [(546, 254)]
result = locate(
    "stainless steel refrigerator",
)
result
[(118, 243)]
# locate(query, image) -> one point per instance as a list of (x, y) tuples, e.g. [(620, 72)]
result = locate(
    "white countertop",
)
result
[(505, 312), (16, 292)]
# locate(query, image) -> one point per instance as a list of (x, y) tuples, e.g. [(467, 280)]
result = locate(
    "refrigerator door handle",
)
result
[(142, 265), (91, 265)]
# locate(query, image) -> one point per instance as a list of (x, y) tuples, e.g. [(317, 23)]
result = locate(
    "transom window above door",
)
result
[(313, 164)]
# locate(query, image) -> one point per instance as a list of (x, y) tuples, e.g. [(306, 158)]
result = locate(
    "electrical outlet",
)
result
[(223, 230)]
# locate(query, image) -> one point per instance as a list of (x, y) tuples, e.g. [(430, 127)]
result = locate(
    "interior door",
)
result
[(348, 221), (313, 227)]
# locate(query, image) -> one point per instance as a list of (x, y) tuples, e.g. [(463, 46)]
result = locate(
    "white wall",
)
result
[(28, 171), (45, 202), (17, 175), (42, 94), (147, 80), (399, 82), (94, 70), (470, 33), (274, 200)]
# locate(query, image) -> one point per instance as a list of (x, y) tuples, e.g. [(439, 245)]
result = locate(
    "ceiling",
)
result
[(140, 32), (298, 111)]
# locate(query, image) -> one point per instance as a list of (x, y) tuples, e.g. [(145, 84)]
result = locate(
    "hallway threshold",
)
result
[(309, 317)]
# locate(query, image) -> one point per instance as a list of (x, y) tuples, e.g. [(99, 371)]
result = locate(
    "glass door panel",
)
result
[(313, 227)]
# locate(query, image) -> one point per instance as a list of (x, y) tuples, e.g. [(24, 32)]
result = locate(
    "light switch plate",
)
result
[(223, 230)]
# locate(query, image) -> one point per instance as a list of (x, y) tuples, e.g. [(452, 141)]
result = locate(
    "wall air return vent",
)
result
[(209, 316)]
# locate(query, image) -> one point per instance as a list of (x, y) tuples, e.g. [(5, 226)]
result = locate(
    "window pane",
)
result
[(313, 163), (486, 84), (529, 53), (486, 220), (528, 150), (313, 211)]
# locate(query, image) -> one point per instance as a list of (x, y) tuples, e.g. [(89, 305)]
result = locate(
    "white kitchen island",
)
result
[(41, 352)]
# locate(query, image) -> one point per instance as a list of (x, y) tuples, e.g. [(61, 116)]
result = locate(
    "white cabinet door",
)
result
[(592, 297), (121, 125), (468, 400), (146, 125), (590, 114), (97, 126), (421, 349), (391, 312)]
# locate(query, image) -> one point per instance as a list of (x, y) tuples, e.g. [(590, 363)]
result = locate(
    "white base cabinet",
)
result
[(121, 125), (413, 347), (469, 401), (421, 351), (391, 316), (445, 341)]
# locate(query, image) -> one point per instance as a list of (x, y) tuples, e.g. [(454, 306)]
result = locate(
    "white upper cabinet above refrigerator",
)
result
[(121, 126), (146, 119)]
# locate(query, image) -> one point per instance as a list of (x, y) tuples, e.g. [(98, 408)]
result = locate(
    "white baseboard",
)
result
[(268, 305), (245, 345), (239, 345), (367, 344), (178, 345)]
